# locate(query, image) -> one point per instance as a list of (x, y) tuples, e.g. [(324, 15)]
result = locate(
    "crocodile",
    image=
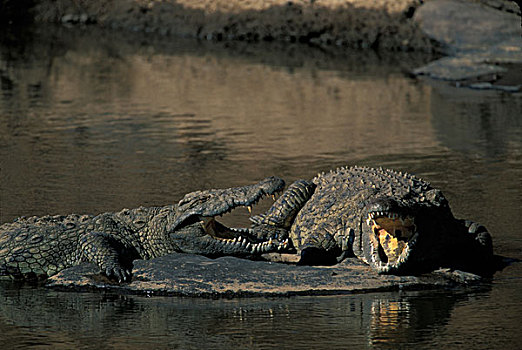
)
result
[(35, 248), (393, 221)]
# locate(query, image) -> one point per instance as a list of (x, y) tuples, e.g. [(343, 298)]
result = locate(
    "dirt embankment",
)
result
[(383, 24)]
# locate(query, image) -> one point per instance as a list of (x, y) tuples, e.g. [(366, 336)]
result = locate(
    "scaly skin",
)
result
[(395, 222), (35, 248)]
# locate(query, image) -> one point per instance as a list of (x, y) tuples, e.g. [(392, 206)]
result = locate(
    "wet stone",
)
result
[(198, 276)]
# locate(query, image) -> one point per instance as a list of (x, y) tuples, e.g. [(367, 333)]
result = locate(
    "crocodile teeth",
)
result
[(283, 244)]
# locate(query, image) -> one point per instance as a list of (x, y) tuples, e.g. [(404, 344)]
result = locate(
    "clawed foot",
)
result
[(118, 274)]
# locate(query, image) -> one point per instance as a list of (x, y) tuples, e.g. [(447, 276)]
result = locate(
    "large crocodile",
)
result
[(38, 247), (395, 222)]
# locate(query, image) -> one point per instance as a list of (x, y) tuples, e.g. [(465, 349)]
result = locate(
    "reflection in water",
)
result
[(86, 320), (404, 320), (491, 127), (105, 112), (390, 321), (97, 121)]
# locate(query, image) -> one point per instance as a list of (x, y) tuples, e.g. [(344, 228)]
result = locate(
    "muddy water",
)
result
[(93, 122)]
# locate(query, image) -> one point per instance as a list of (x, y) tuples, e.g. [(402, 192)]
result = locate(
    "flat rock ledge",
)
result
[(198, 276)]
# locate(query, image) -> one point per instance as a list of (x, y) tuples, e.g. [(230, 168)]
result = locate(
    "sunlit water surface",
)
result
[(93, 122)]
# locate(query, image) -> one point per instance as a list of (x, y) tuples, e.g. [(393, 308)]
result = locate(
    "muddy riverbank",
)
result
[(379, 24)]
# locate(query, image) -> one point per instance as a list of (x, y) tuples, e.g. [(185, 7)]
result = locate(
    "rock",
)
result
[(193, 275), (458, 68), (460, 25), (481, 37)]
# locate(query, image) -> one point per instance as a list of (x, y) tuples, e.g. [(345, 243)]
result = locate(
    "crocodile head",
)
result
[(195, 228), (403, 233)]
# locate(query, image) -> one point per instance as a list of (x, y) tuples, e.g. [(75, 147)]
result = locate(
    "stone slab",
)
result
[(198, 276)]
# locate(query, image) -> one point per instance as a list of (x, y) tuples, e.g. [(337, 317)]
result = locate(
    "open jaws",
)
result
[(243, 239), (393, 236)]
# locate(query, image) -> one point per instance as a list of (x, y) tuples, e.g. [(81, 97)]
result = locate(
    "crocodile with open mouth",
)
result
[(38, 247), (395, 222)]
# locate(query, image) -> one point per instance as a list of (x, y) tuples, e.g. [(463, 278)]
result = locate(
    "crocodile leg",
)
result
[(109, 253), (481, 237), (323, 247), (473, 247), (277, 221), (279, 217)]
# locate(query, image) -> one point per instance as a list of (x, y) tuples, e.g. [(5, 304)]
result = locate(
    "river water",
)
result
[(94, 121)]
